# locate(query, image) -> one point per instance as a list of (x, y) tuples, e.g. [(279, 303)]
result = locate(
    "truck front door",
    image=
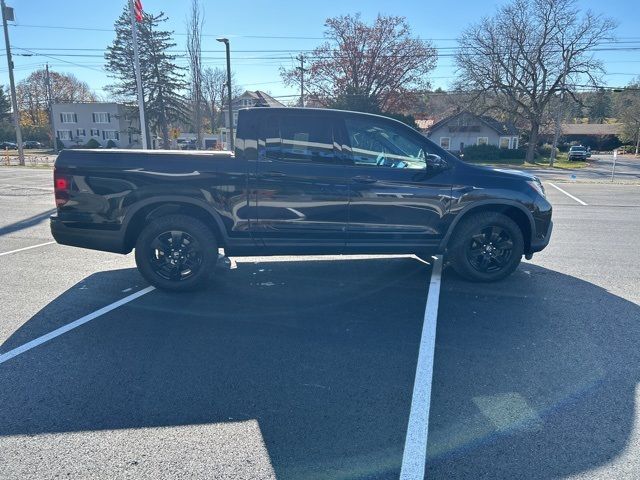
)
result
[(400, 187)]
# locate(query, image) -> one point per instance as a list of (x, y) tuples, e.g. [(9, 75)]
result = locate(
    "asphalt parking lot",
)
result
[(304, 367)]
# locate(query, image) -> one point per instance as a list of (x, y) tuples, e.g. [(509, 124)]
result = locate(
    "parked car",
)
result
[(301, 181), (8, 146), (577, 152), (32, 144)]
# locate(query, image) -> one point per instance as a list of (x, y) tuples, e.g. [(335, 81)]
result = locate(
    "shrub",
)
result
[(111, 144), (92, 143), (59, 144), (545, 150), (515, 154), (491, 153), (481, 153)]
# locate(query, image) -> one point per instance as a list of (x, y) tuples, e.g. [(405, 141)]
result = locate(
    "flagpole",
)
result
[(143, 123)]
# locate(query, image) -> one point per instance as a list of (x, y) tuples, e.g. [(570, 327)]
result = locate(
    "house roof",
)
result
[(260, 97), (502, 128), (591, 128)]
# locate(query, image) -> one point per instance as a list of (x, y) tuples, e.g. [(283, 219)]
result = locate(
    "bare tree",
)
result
[(529, 52), (214, 91), (380, 64), (33, 100), (627, 106), (194, 49)]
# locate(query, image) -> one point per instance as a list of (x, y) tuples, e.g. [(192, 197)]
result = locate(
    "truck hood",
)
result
[(514, 173), (504, 172)]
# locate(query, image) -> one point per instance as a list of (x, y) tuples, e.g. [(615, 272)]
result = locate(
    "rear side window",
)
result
[(298, 138)]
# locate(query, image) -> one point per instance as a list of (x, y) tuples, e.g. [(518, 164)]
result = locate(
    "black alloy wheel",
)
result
[(175, 255), (490, 249), (486, 247)]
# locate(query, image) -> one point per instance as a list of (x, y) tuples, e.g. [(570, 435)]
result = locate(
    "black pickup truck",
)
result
[(301, 181)]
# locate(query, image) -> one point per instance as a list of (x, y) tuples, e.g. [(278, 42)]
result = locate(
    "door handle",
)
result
[(364, 179)]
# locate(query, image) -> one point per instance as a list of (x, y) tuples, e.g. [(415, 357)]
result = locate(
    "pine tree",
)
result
[(5, 104), (162, 80)]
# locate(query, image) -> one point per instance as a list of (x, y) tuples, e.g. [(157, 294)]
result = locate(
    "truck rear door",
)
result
[(300, 187)]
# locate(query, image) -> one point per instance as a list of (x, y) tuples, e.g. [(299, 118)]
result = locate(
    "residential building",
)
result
[(246, 100), (76, 123), (597, 136), (462, 129)]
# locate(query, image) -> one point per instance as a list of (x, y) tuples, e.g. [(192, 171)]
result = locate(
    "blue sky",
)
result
[(242, 21)]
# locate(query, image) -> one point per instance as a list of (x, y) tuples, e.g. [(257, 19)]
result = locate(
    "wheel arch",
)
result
[(515, 211), (156, 208)]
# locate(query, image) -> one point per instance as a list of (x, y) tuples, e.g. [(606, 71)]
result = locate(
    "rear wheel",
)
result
[(486, 247), (176, 253)]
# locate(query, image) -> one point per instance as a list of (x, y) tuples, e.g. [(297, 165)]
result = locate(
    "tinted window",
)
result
[(269, 145), (299, 138), (382, 144)]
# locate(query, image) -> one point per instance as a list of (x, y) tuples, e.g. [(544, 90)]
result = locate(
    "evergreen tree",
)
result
[(5, 104), (162, 80)]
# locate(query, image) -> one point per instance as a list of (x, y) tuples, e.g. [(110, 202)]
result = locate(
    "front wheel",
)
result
[(486, 247), (176, 253)]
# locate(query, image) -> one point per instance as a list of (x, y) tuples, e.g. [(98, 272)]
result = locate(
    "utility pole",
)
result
[(226, 44), (136, 60), (556, 135), (7, 14), (47, 80), (302, 70)]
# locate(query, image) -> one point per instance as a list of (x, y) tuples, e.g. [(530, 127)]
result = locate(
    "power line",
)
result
[(93, 29)]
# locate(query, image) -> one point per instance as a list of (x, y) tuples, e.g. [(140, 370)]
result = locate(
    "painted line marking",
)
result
[(70, 326), (567, 194), (415, 447), (26, 248)]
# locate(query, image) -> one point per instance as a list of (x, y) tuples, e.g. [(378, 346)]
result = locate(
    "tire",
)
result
[(475, 251), (176, 253)]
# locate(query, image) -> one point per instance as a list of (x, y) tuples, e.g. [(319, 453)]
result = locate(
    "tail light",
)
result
[(61, 187)]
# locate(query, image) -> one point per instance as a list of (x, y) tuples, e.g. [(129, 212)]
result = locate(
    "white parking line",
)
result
[(567, 193), (415, 446), (70, 326), (26, 248)]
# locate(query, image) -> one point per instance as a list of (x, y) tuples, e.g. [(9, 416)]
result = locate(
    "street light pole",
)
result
[(226, 44), (12, 83), (50, 108), (559, 114)]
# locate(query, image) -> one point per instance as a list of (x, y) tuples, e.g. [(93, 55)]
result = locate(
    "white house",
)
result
[(76, 123)]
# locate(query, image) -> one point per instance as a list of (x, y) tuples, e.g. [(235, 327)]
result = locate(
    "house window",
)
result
[(514, 142), (505, 142), (101, 117), (445, 142), (68, 117), (235, 119), (482, 141), (95, 132), (110, 135), (81, 132), (64, 134)]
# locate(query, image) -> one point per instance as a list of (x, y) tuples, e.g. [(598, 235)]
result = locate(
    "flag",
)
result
[(137, 10)]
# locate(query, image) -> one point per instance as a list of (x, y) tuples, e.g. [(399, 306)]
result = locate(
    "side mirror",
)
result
[(435, 163)]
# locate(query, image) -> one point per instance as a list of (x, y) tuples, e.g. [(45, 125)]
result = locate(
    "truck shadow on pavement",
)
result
[(26, 222), (320, 355), (534, 376)]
